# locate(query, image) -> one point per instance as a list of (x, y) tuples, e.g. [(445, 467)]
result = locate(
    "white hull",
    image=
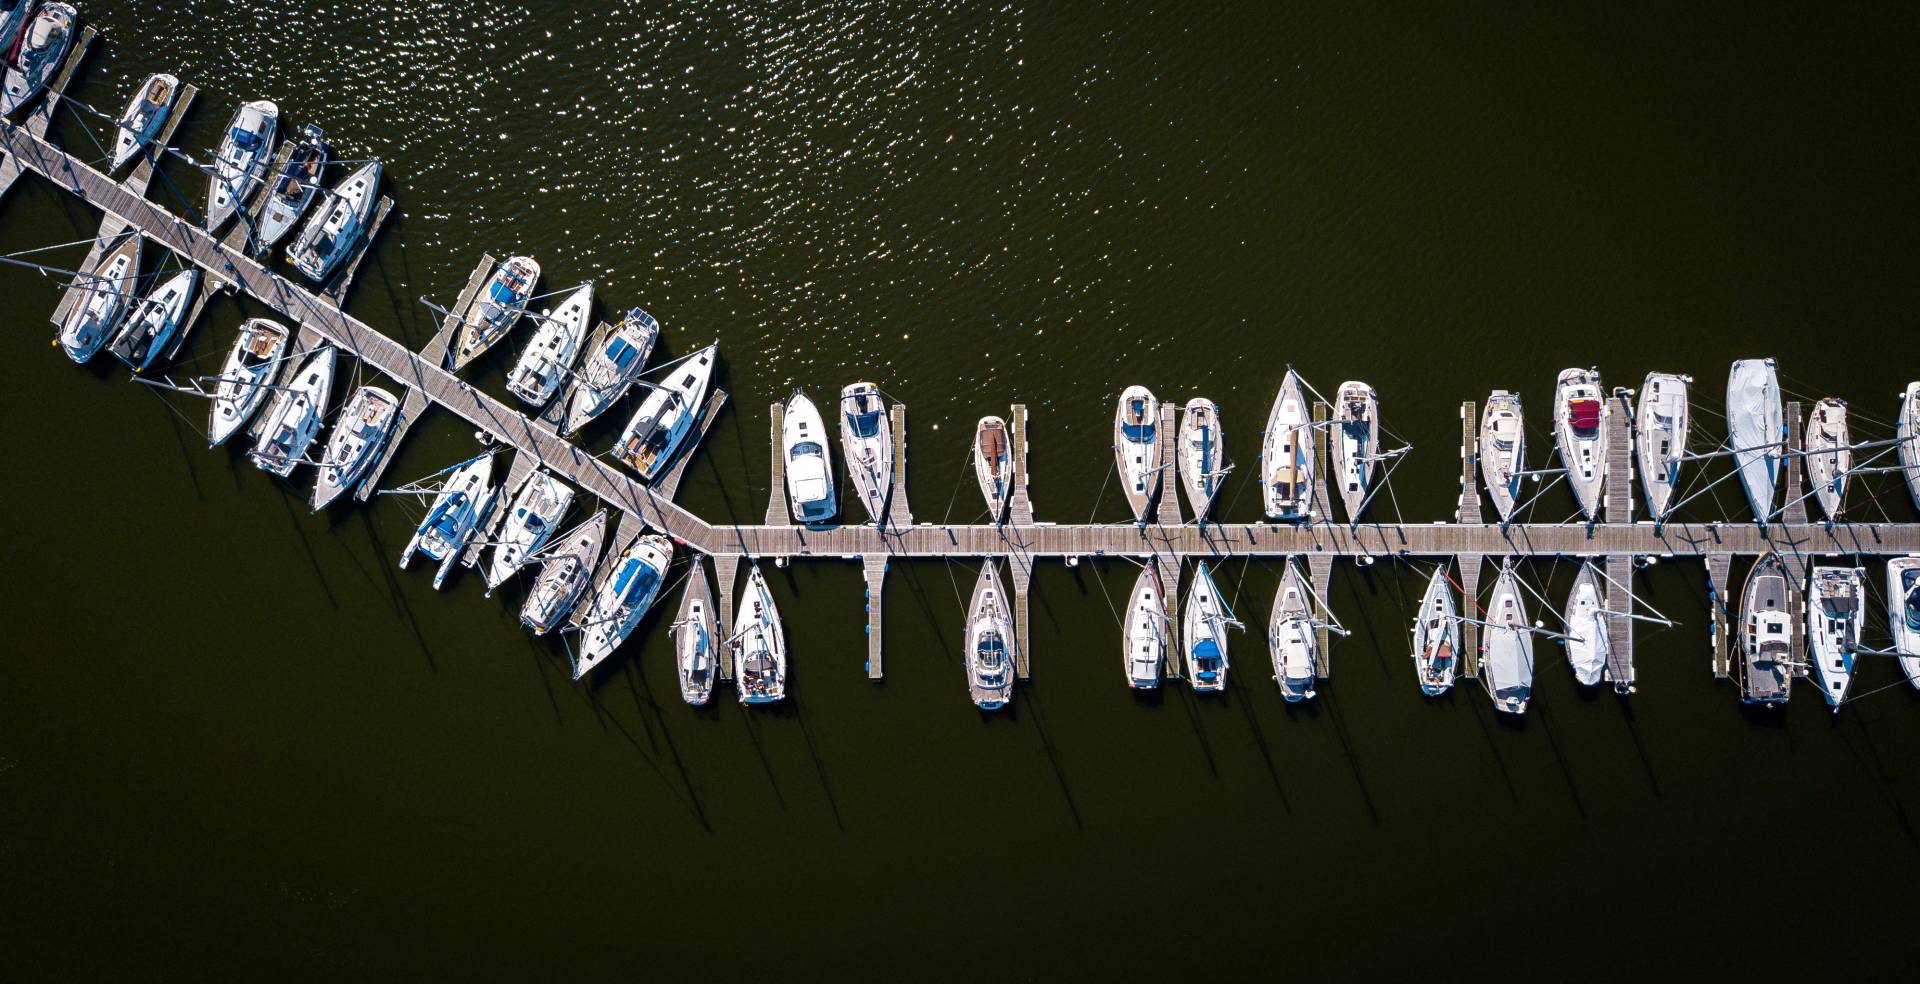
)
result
[(146, 114), (544, 365), (1436, 637), (104, 302), (494, 311), (1903, 614), (254, 362), (564, 575), (331, 233), (759, 644), (1580, 430), (359, 438), (1204, 626), (1143, 640), (1503, 450), (1764, 664), (1286, 455), (632, 586), (660, 427), (1136, 448), (294, 189), (993, 466), (1908, 431), (695, 643), (809, 463), (866, 437), (991, 647), (1661, 422), (1828, 457), (1356, 445), (153, 327), (461, 507), (245, 151), (1292, 639), (1756, 430), (43, 46), (1506, 666), (1588, 643), (1202, 456), (532, 519), (295, 415), (1836, 602), (614, 359)]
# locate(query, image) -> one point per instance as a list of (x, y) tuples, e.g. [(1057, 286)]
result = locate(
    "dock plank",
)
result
[(1620, 630), (875, 571)]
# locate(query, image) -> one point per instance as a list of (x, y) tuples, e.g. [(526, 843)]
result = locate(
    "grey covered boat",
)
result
[(1756, 431)]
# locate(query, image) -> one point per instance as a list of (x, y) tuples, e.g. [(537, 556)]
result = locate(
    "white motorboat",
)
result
[(1766, 664), (1660, 424), (565, 572), (1286, 455), (331, 234), (295, 415), (245, 152), (1579, 412), (1907, 431), (246, 379), (1436, 636), (866, 436), (1829, 455), (359, 439), (613, 361), (1503, 450), (1588, 644), (1136, 448), (1292, 636), (154, 326), (104, 301), (809, 465), (545, 362), (37, 55), (1756, 431), (494, 311), (1204, 624), (657, 430), (1506, 665), (1144, 630), (695, 641), (632, 584), (460, 508), (1356, 444), (1903, 614), (531, 520), (294, 188), (993, 466), (1836, 602), (146, 114), (991, 647), (759, 644), (1201, 464)]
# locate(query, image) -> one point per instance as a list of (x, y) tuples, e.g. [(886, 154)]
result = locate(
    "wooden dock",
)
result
[(1468, 511), (875, 569), (1022, 582), (246, 216), (1168, 505), (1320, 567), (1469, 577), (898, 514), (1720, 598), (727, 566), (1620, 630), (1020, 509), (777, 493)]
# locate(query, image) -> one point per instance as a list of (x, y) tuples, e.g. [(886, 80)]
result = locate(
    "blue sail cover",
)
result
[(502, 294), (621, 353), (243, 138)]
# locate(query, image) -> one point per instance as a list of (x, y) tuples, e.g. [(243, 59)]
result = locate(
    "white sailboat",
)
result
[(1903, 614), (246, 379), (105, 299), (459, 509), (153, 325), (614, 360), (495, 311), (1292, 636), (565, 573), (244, 154), (1201, 463), (992, 649), (1836, 602), (1588, 644), (695, 643), (809, 465), (1756, 430), (145, 115), (1579, 412), (1144, 631), (1829, 455), (34, 60), (1204, 625), (1766, 663), (631, 587), (330, 234), (1286, 455), (1506, 667), (1907, 430), (294, 190), (545, 362), (1436, 636), (532, 519), (759, 644), (993, 466), (295, 415), (1503, 450), (359, 439), (1660, 424), (866, 437), (1136, 448), (657, 430), (1356, 444)]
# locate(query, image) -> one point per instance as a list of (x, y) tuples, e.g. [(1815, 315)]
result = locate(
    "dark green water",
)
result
[(233, 735)]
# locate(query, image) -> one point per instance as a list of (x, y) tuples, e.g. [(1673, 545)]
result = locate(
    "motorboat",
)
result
[(1829, 455), (154, 326), (244, 154), (565, 572), (655, 433), (331, 234), (1293, 636), (531, 520), (759, 645), (1836, 602), (146, 115), (809, 465), (1903, 614), (695, 642), (1766, 664), (295, 186), (544, 365), (1204, 624), (1506, 663), (1579, 409), (495, 311), (1503, 450), (991, 647), (1907, 432), (1143, 636), (461, 507), (1588, 644), (1136, 448), (993, 466), (104, 300), (37, 55), (246, 379), (1201, 464), (1660, 428), (1286, 455), (614, 359), (1356, 444), (359, 439), (632, 584), (866, 437), (1436, 636), (1756, 431), (295, 415)]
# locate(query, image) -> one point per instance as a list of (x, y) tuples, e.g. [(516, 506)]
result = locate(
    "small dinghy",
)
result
[(1356, 444), (1660, 430), (154, 326), (459, 510), (1503, 450), (564, 575), (244, 154), (295, 415), (330, 234), (544, 365), (1506, 667), (993, 466), (991, 646), (104, 301), (1579, 409), (1903, 614), (1204, 626), (759, 645), (666, 416), (494, 313), (1436, 636), (1836, 602), (1136, 448), (1756, 431), (294, 191), (1588, 644), (1201, 462), (146, 114), (1829, 455), (615, 358), (1292, 638), (532, 519), (1143, 637), (866, 436), (1286, 455), (246, 379), (803, 441), (359, 438), (631, 587), (1766, 664), (1908, 432), (695, 644), (37, 56)]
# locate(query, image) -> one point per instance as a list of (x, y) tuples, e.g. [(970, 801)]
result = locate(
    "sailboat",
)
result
[(244, 154), (295, 416), (1836, 601), (330, 234), (1660, 435), (246, 379), (991, 647), (1578, 409), (104, 301), (809, 465), (1286, 456), (293, 191), (544, 365), (615, 358), (1204, 633), (359, 439), (531, 521), (1766, 663), (1908, 433), (1506, 667), (146, 114), (1436, 636), (37, 56), (153, 326), (993, 466), (1503, 449), (1903, 614), (1201, 464), (866, 436), (1292, 637), (1143, 635), (14, 15), (759, 645), (1588, 644), (564, 575), (665, 417), (1756, 430), (494, 313), (459, 509), (1136, 448), (631, 586), (1829, 455), (694, 642), (1356, 444)]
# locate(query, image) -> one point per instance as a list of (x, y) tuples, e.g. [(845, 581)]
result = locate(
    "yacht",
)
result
[(104, 300), (694, 642), (1204, 627), (1503, 450), (244, 154), (246, 380), (1660, 432), (331, 234), (1836, 601), (671, 408), (14, 15), (1588, 644), (565, 572), (1143, 637), (1766, 664), (1201, 463), (295, 186), (866, 437), (631, 586), (154, 326), (295, 415), (1829, 455), (461, 508), (759, 645), (809, 468), (531, 521), (1908, 433), (359, 439), (1292, 637), (1756, 431), (993, 466), (1356, 444), (1506, 664), (1903, 614), (1578, 411), (495, 311), (146, 114), (1136, 448), (991, 647), (1436, 636), (1286, 456), (37, 55), (544, 365), (615, 358)]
